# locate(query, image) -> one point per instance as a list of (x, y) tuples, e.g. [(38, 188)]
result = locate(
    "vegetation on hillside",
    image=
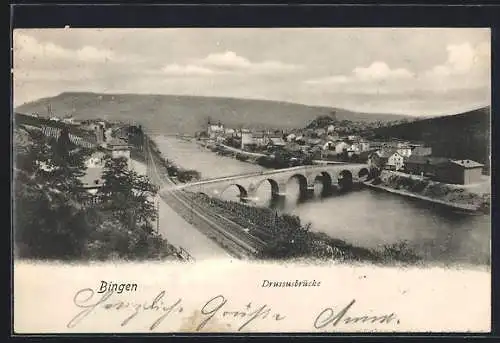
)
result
[(186, 114), (352, 126), (461, 136)]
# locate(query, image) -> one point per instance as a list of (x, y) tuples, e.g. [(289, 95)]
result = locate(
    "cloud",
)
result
[(375, 72), (186, 70), (465, 67), (227, 63), (227, 59), (380, 71), (27, 47), (463, 59)]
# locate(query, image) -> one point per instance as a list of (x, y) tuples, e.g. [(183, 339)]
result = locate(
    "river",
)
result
[(366, 217)]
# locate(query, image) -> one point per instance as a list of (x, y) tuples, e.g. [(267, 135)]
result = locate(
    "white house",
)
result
[(260, 138), (395, 161), (229, 132), (340, 147), (329, 145), (95, 161), (246, 138), (291, 137), (364, 145), (215, 130), (404, 150), (330, 129)]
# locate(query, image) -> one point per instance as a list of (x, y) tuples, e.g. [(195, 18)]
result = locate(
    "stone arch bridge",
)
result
[(341, 176)]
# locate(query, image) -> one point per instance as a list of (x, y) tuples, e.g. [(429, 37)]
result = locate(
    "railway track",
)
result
[(228, 234)]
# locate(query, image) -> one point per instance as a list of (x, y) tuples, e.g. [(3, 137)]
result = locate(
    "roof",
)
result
[(276, 140), (386, 153), (427, 160), (420, 151), (116, 142), (91, 176), (467, 163)]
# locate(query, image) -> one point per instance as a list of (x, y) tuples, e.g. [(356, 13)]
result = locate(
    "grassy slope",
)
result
[(186, 114)]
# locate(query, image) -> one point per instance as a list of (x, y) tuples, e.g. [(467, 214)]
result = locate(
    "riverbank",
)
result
[(367, 218), (181, 234), (462, 198), (287, 238), (252, 157)]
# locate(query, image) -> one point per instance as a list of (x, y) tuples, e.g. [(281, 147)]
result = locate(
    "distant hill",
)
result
[(462, 136), (187, 114)]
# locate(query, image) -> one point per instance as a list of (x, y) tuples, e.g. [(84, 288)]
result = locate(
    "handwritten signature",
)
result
[(217, 306), (328, 317)]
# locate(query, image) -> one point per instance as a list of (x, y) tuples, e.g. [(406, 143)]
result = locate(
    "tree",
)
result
[(127, 199), (49, 219)]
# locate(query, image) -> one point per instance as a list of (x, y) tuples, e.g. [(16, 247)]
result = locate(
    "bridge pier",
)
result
[(278, 200), (309, 193)]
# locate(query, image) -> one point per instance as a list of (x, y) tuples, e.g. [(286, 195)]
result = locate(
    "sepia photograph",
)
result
[(259, 148)]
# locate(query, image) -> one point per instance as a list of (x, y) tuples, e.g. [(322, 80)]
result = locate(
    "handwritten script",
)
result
[(218, 309), (89, 302)]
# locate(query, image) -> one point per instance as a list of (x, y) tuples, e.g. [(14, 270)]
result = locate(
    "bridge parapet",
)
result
[(306, 176)]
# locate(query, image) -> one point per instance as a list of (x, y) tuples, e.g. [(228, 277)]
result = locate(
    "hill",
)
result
[(462, 136), (187, 114)]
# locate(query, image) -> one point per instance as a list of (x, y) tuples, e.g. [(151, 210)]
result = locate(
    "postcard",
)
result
[(246, 180)]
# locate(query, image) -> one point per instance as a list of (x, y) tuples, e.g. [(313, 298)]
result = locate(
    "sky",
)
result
[(415, 71)]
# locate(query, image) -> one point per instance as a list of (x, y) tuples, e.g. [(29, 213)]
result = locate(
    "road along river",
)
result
[(181, 233), (365, 217)]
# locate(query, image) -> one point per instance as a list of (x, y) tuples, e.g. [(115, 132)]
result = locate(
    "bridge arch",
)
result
[(326, 180), (363, 174), (345, 180), (243, 193), (275, 188), (302, 182)]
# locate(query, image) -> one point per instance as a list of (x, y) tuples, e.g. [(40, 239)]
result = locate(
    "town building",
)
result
[(291, 137), (424, 165), (445, 169), (120, 148), (386, 158), (97, 160), (421, 151), (364, 145), (462, 172), (229, 132), (329, 145), (246, 138), (260, 138), (276, 141), (404, 150), (341, 147), (395, 161), (214, 130)]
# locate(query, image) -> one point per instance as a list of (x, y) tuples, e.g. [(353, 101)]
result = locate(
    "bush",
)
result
[(399, 252), (188, 175)]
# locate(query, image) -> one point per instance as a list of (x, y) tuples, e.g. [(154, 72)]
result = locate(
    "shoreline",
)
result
[(464, 207), (251, 157), (390, 182)]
